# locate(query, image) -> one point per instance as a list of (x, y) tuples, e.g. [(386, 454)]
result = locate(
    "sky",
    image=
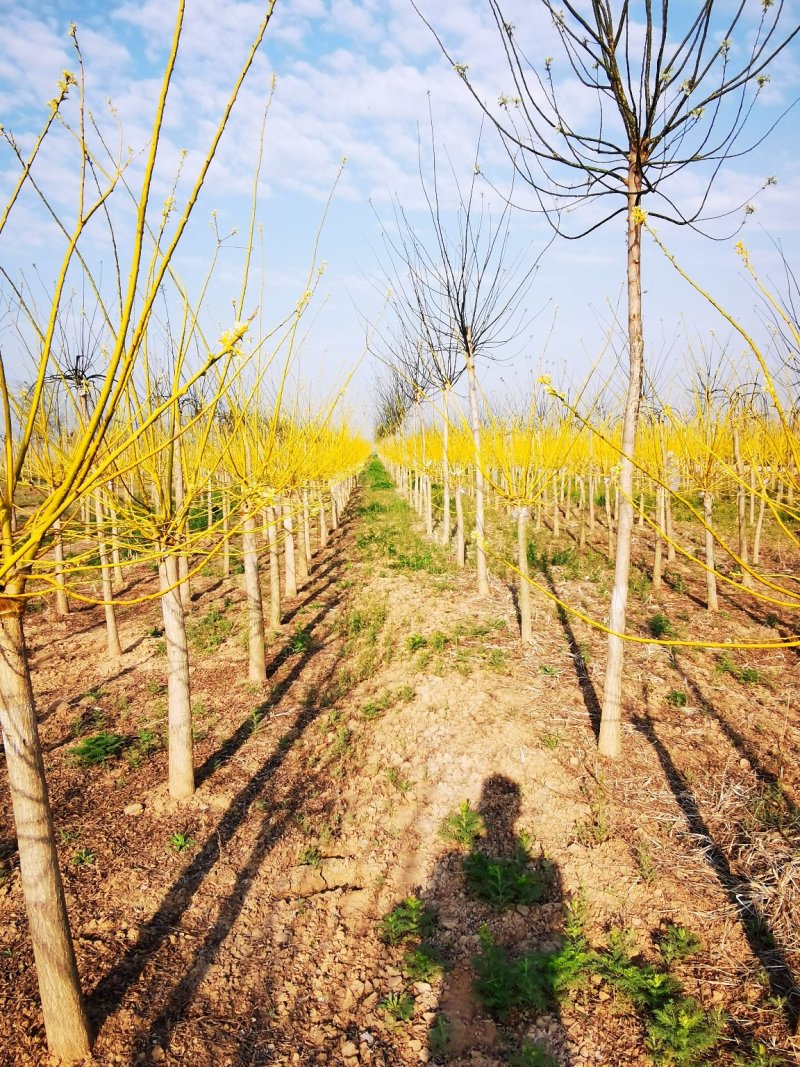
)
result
[(359, 80)]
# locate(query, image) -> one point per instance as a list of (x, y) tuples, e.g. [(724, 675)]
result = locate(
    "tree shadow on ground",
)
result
[(740, 891), (588, 692), (140, 961), (469, 893)]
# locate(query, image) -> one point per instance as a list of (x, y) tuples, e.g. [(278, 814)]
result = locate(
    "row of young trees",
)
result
[(133, 435), (637, 95)]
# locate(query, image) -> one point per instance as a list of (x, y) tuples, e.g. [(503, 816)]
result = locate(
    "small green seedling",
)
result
[(310, 857), (181, 840), (410, 918), (398, 1006), (84, 857), (677, 943), (97, 749), (677, 699), (464, 826)]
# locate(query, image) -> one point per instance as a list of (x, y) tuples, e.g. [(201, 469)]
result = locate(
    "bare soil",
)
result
[(321, 797)]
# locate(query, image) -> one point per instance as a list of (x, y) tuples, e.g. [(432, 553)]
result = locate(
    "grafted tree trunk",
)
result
[(609, 741), (658, 552), (179, 700), (65, 1022), (257, 659)]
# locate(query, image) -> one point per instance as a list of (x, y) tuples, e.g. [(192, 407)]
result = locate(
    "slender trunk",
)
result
[(641, 508), (290, 573), (446, 471), (62, 603), (179, 700), (59, 985), (119, 579), (668, 526), (112, 635), (180, 495), (711, 579), (609, 521), (307, 530), (334, 510), (460, 543), (592, 490), (609, 741), (657, 555), (183, 572), (480, 549), (257, 660), (556, 512), (741, 509), (226, 543), (757, 532), (323, 522), (301, 568), (274, 569), (209, 509), (429, 506), (523, 586), (752, 495)]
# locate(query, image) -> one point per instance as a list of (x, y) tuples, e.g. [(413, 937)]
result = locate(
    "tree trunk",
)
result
[(65, 1023), (460, 543), (257, 657), (112, 635), (274, 569), (323, 522), (480, 550), (307, 530), (609, 741), (711, 579), (523, 586), (446, 471), (179, 700), (62, 603), (290, 573), (119, 578), (226, 543), (658, 553)]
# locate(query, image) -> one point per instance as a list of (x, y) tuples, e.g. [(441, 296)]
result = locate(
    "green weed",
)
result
[(677, 943), (410, 918), (398, 1006), (209, 632), (181, 840), (440, 1035), (97, 749), (660, 626), (310, 857), (506, 880), (463, 826), (532, 1054), (680, 1032), (300, 641), (423, 963), (677, 699), (84, 857)]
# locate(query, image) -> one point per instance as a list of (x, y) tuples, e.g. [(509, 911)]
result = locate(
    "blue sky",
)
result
[(354, 79)]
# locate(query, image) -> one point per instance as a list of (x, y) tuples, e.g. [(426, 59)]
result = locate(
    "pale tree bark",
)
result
[(445, 537), (62, 603), (659, 547), (523, 587), (112, 635), (290, 572), (179, 700), (480, 531), (226, 534), (609, 740), (274, 570), (67, 1029), (460, 540), (257, 658), (323, 522), (307, 530), (712, 603)]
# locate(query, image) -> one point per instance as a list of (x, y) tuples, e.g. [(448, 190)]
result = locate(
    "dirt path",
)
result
[(394, 696)]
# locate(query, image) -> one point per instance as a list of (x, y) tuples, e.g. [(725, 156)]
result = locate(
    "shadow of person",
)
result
[(492, 886)]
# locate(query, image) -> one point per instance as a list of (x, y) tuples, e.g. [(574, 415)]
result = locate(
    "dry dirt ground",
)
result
[(244, 928)]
